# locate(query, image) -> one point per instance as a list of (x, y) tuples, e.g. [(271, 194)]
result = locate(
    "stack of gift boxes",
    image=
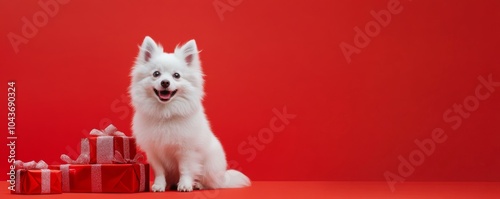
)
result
[(108, 163)]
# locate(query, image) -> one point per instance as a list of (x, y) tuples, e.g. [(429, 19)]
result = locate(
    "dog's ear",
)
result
[(147, 49), (188, 52)]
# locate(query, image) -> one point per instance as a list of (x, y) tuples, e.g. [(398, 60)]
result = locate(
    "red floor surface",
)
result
[(311, 190)]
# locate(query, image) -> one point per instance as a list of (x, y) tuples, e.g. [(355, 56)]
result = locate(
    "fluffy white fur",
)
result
[(175, 134)]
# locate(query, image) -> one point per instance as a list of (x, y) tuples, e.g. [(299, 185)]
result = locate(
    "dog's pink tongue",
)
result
[(165, 96)]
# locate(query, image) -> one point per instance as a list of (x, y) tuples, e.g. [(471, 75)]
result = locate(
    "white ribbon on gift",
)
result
[(45, 174), (45, 180), (18, 181), (65, 177), (104, 149), (96, 178), (126, 147), (142, 183), (30, 165), (109, 131), (83, 158)]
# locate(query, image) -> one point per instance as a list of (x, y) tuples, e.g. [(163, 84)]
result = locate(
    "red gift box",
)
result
[(105, 178), (37, 180), (101, 149), (101, 145)]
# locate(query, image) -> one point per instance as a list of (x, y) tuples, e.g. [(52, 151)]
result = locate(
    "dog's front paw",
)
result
[(184, 187), (158, 187)]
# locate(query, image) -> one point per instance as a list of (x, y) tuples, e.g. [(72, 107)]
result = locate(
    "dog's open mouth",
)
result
[(165, 95)]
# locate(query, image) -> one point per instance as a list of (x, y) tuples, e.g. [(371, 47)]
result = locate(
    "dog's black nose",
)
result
[(165, 83)]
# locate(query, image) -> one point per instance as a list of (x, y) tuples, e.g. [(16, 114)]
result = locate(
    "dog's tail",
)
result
[(235, 179)]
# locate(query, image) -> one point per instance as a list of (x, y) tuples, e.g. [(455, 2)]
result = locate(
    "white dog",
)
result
[(170, 124)]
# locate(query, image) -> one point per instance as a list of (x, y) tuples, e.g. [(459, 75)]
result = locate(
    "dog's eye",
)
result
[(156, 73), (177, 75)]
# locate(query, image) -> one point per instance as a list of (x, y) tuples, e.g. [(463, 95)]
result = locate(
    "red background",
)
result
[(352, 120)]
